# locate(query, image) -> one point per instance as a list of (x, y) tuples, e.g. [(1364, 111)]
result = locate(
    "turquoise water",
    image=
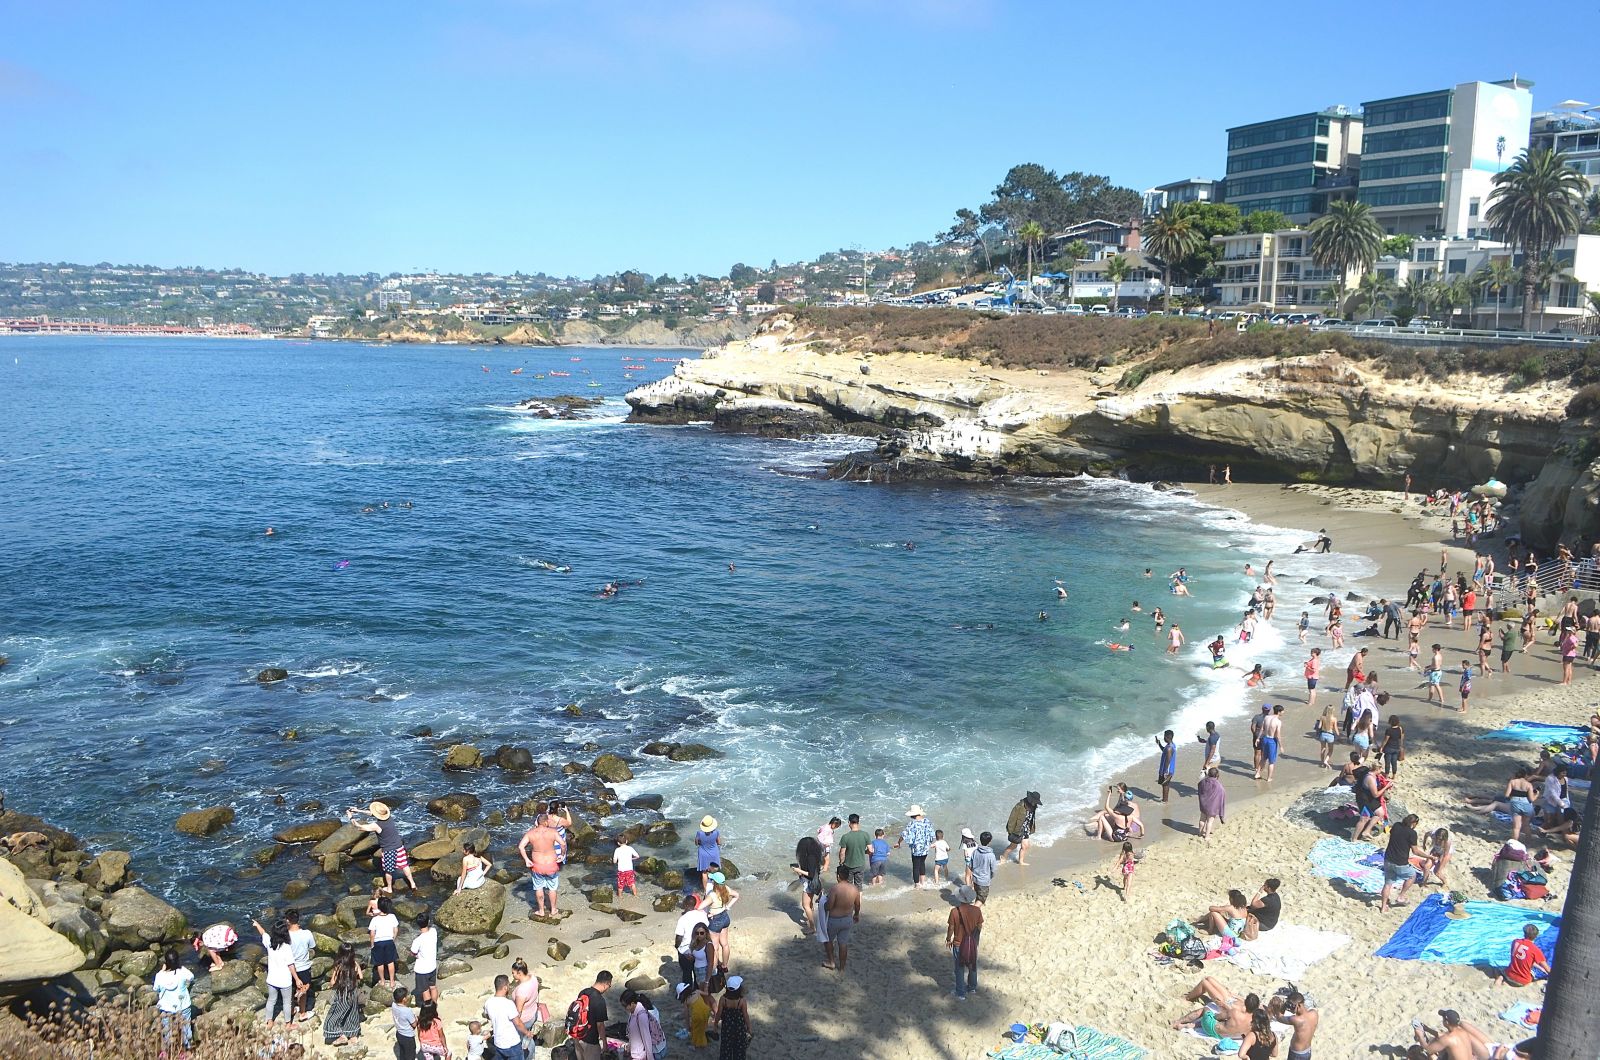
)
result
[(836, 668)]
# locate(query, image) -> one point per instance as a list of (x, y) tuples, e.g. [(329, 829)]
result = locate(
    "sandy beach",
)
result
[(1060, 943)]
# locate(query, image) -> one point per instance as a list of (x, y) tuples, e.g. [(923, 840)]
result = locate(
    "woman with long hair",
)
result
[(282, 978), (733, 1019), (474, 869), (810, 861), (719, 899), (1327, 733), (525, 995), (342, 1025), (1259, 1042)]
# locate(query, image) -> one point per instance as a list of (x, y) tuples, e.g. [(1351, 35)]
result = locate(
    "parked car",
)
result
[(1379, 322), (1330, 324), (1129, 312), (1073, 310), (1100, 311)]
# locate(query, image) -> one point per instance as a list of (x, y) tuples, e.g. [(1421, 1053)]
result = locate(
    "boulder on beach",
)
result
[(659, 748), (513, 759), (108, 871), (474, 912), (645, 983), (135, 918), (312, 832), (557, 950), (611, 769), (463, 756), (338, 841), (447, 869), (208, 821), (82, 926), (432, 850), (29, 950), (644, 802), (272, 674), (231, 978), (456, 806)]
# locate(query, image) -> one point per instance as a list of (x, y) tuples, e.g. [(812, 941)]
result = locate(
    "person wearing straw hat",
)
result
[(391, 849), (962, 929), (708, 848), (918, 835)]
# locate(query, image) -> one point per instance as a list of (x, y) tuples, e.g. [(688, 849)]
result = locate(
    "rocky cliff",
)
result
[(646, 332), (1319, 416)]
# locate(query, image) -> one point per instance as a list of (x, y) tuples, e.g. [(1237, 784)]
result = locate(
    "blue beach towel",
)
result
[(1088, 1044), (1358, 864), (1483, 939), (1537, 732)]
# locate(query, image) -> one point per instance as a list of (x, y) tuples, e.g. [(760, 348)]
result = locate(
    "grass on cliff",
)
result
[(1167, 344)]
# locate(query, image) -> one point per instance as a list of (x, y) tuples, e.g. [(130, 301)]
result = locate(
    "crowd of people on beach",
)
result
[(843, 858)]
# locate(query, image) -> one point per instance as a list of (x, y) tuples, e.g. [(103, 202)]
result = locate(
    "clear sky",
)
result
[(674, 135)]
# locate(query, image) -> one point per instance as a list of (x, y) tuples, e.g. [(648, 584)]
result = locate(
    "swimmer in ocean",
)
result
[(1136, 608), (732, 569), (1249, 570), (368, 510), (1044, 616), (1160, 617), (609, 589), (1061, 594), (1114, 646), (1122, 627), (1147, 572), (911, 546), (270, 531), (1255, 677), (1216, 648)]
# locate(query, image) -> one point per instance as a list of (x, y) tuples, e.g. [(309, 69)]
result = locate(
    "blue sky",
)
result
[(578, 138)]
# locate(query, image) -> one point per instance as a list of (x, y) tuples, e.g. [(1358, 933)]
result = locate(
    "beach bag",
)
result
[(1193, 949), (1528, 876), (1179, 930), (968, 950)]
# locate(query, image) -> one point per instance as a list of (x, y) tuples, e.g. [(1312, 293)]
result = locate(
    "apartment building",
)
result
[(1193, 189), (1572, 128), (1273, 270), (1294, 165), (1428, 160)]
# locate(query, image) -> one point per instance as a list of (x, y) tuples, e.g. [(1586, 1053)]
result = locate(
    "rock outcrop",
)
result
[(1322, 417), (135, 918), (474, 912)]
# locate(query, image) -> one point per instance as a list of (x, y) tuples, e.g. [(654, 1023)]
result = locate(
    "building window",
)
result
[(1408, 166), (1423, 193), (1300, 178), (1275, 132), (1458, 267), (1472, 208), (1412, 108), (1424, 254), (1379, 143), (1282, 156)]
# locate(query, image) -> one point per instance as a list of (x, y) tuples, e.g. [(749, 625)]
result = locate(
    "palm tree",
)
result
[(1537, 202), (1570, 1024), (1068, 259), (1591, 308), (1458, 295), (1117, 271), (1539, 276), (1497, 276), (1171, 235), (1032, 235), (1374, 289), (1418, 293), (1346, 239)]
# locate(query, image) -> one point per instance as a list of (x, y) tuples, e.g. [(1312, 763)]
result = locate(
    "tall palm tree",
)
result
[(1373, 290), (1458, 295), (1497, 276), (1539, 276), (1346, 239), (1537, 202), (1171, 235), (1116, 270), (1032, 235), (1570, 1024)]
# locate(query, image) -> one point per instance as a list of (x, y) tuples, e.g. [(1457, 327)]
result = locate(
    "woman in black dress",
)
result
[(734, 1021)]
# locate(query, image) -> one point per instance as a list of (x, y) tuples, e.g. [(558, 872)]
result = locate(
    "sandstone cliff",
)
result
[(1320, 416), (645, 332)]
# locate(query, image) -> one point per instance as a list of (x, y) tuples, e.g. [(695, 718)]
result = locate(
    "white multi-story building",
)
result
[(1194, 189), (1428, 160), (1273, 270), (1573, 128)]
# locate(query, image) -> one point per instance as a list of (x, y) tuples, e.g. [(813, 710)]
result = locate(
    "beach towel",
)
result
[(1340, 859), (1087, 1044), (1524, 1014), (1286, 951), (1482, 940), (1537, 732)]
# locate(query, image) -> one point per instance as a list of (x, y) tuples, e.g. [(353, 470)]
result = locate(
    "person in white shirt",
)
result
[(304, 944), (172, 999), (283, 982), (506, 1029), (381, 931), (623, 858), (425, 959), (941, 858), (476, 1040), (683, 934)]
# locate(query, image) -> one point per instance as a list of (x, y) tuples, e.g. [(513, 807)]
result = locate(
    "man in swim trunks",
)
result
[(1271, 738), (1294, 1011), (391, 849), (843, 913), (538, 849), (1222, 1013), (1458, 1040)]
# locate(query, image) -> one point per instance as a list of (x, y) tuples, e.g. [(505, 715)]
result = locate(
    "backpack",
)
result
[(578, 1022), (1194, 948)]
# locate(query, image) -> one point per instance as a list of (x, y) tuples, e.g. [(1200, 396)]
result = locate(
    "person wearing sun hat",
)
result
[(707, 847), (918, 835), (391, 849), (1020, 826)]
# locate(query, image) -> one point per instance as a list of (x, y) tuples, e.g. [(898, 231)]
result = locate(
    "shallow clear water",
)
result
[(836, 668)]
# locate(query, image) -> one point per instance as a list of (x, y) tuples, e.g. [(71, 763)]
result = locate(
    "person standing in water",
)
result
[(1020, 827)]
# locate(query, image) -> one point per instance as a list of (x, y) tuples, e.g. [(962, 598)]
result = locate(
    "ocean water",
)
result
[(837, 668)]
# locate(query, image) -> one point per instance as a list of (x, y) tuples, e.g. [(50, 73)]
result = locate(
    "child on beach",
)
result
[(1125, 863), (476, 1040), (1466, 685), (1327, 733), (1255, 677), (1305, 625), (969, 845), (1412, 651), (1336, 631), (623, 858), (878, 855), (941, 858), (1435, 675)]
